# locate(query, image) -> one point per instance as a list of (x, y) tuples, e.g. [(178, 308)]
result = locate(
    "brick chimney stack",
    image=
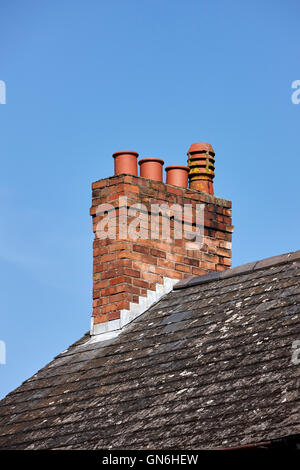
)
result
[(143, 236)]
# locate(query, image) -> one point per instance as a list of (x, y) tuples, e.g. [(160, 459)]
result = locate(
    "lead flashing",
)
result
[(243, 269)]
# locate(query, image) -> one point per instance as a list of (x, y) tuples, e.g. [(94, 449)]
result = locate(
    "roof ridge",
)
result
[(242, 269)]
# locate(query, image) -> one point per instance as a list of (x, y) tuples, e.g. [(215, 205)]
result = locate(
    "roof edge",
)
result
[(243, 269)]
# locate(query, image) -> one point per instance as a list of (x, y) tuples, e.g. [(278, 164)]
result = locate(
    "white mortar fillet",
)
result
[(111, 329)]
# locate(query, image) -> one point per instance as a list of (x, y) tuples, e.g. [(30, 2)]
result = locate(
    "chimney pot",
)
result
[(201, 163), (126, 162), (177, 175), (151, 168)]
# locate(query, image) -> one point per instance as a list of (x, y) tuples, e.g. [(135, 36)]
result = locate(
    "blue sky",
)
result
[(87, 78)]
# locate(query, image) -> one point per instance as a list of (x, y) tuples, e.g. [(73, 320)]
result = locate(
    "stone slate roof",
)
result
[(208, 366)]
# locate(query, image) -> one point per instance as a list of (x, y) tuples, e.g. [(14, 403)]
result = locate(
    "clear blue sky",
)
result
[(87, 78)]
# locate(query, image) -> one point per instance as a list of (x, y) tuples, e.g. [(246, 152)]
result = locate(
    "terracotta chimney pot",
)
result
[(151, 168), (178, 175), (126, 162)]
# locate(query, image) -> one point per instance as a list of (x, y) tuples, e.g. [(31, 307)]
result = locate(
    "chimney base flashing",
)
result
[(112, 328)]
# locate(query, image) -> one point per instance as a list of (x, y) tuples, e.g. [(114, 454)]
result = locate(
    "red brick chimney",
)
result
[(143, 230)]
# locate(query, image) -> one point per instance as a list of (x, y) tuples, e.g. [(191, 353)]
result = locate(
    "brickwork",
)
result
[(125, 269)]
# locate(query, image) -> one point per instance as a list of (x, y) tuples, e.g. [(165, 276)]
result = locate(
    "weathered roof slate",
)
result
[(209, 366)]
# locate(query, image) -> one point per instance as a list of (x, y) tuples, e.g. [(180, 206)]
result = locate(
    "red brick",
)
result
[(132, 272), (165, 263), (140, 249), (113, 290), (207, 266), (225, 261), (182, 268), (100, 284), (117, 280), (114, 315), (119, 297), (99, 184), (198, 271), (100, 319), (140, 283), (191, 261), (157, 253), (174, 190)]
